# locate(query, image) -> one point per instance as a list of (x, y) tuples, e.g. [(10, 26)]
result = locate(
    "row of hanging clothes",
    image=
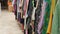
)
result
[(38, 16), (18, 11)]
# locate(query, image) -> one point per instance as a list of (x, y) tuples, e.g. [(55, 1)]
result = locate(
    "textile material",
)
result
[(41, 18), (13, 2), (35, 1), (46, 17), (19, 16), (33, 14), (37, 15), (26, 6), (56, 19), (51, 16), (18, 9), (30, 30), (25, 13), (29, 13), (20, 19), (30, 8), (21, 3), (15, 8)]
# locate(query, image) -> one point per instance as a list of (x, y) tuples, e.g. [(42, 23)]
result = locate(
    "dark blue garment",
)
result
[(20, 19)]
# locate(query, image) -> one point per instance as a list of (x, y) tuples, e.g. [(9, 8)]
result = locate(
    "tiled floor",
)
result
[(8, 24)]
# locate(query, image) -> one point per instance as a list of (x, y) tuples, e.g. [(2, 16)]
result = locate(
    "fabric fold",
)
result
[(51, 17), (56, 18)]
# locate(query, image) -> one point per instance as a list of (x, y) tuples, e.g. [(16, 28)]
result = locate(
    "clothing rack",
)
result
[(36, 15)]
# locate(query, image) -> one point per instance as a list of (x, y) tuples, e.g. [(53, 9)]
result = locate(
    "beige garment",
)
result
[(33, 14), (21, 3)]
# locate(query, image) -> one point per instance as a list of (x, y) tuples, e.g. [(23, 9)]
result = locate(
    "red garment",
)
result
[(25, 11), (25, 6)]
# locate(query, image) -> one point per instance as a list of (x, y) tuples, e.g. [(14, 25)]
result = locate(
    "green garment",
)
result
[(46, 17), (56, 19)]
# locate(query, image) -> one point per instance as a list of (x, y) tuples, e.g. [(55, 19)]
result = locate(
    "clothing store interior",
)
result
[(29, 16)]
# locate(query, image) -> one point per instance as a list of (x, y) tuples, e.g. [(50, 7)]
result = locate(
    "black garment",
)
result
[(15, 15), (37, 16), (15, 9), (30, 8), (28, 20), (16, 12), (19, 16), (20, 19), (35, 3), (30, 30), (24, 31), (29, 12)]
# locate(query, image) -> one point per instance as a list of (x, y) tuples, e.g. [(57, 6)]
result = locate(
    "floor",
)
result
[(8, 24)]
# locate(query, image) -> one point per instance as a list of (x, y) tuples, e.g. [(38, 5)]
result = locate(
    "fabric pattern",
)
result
[(37, 15), (40, 24)]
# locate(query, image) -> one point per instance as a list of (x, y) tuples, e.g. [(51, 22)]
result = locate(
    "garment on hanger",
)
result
[(29, 13), (21, 3), (30, 8), (51, 17), (34, 8), (15, 8), (26, 2), (18, 3), (25, 6), (18, 11), (40, 24), (33, 15), (20, 7), (37, 15), (56, 19), (35, 1), (46, 17)]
